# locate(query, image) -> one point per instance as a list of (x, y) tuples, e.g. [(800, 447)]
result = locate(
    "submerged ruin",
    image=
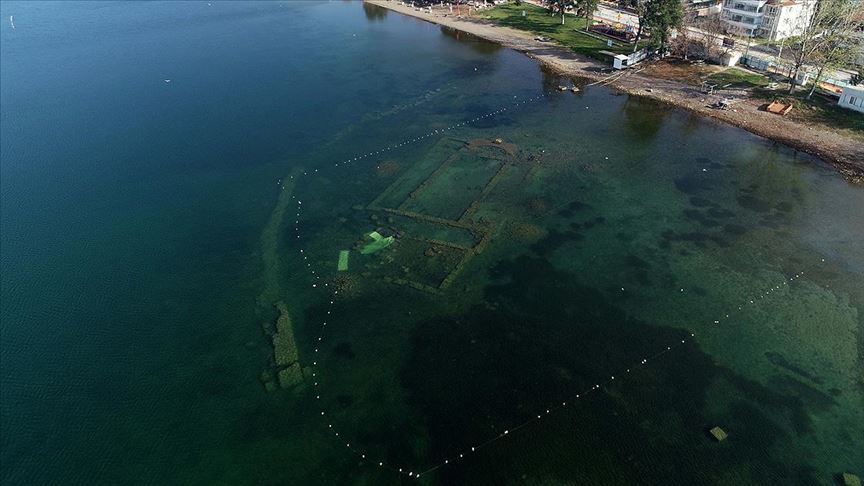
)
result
[(431, 208), (286, 364)]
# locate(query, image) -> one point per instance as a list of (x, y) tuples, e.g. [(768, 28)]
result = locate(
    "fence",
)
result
[(638, 56), (771, 66)]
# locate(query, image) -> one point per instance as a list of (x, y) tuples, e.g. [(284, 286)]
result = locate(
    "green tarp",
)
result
[(378, 243)]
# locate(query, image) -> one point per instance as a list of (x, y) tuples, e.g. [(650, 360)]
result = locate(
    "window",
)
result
[(852, 100)]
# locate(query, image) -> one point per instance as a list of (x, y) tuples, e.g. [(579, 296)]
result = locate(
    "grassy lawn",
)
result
[(819, 110), (738, 78), (538, 21), (763, 41)]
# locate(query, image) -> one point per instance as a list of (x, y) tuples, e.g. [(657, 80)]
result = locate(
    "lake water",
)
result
[(164, 164)]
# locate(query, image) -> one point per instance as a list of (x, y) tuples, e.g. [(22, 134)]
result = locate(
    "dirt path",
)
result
[(844, 153)]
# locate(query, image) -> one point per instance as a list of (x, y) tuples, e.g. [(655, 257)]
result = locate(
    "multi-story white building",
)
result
[(772, 19)]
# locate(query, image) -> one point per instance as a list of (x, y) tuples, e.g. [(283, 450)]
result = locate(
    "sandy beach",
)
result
[(844, 153)]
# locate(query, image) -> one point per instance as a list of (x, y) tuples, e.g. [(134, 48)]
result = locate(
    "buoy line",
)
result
[(456, 457)]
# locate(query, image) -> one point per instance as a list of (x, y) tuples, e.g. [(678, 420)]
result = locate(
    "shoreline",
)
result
[(844, 154)]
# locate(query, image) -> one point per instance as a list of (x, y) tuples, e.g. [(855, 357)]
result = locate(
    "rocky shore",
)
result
[(843, 153)]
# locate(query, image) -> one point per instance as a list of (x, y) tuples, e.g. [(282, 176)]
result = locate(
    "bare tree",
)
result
[(839, 46), (823, 36), (682, 43), (709, 34)]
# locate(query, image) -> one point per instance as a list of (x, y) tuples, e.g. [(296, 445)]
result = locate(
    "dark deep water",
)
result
[(137, 266)]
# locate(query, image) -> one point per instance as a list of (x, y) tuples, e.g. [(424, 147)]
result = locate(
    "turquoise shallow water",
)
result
[(134, 282)]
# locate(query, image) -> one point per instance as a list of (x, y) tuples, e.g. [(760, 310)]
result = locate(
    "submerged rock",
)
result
[(345, 284), (850, 479), (267, 327), (525, 232), (266, 379), (284, 347)]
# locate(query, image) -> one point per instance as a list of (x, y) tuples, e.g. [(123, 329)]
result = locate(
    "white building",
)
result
[(772, 19), (703, 8), (852, 98)]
